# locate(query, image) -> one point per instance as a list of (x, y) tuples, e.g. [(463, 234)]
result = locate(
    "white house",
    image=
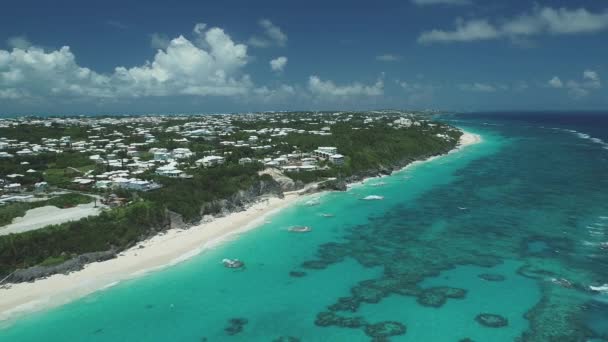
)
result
[(41, 186), (182, 153), (337, 159), (161, 156), (325, 152), (24, 152), (13, 187), (170, 171), (210, 161), (244, 161)]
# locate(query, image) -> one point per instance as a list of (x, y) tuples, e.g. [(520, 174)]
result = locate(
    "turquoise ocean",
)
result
[(511, 229)]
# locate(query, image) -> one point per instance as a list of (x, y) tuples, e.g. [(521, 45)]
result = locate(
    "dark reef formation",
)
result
[(326, 319), (235, 326), (492, 277), (297, 274), (437, 296), (383, 330), (491, 320)]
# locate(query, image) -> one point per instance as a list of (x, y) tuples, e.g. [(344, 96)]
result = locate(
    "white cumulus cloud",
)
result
[(328, 88), (541, 20), (19, 42), (592, 79), (465, 32), (578, 89), (273, 35), (278, 64), (181, 68), (556, 82)]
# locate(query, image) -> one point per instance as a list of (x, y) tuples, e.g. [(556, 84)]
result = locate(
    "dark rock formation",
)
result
[(333, 185), (176, 220), (368, 294), (235, 326), (346, 304), (297, 274), (71, 265), (314, 264), (386, 329), (326, 319), (240, 200), (431, 298), (491, 320), (437, 296)]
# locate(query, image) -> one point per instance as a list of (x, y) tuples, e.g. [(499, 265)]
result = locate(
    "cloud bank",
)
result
[(541, 20), (181, 67), (578, 89)]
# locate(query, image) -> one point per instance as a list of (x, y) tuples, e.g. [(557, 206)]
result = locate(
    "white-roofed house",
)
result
[(210, 161)]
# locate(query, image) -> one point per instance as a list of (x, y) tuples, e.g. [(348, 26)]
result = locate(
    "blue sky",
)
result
[(79, 57)]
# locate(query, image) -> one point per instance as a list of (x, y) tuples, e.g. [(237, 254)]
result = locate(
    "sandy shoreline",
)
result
[(158, 252)]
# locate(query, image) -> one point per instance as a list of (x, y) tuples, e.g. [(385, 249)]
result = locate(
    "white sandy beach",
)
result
[(468, 139), (160, 251)]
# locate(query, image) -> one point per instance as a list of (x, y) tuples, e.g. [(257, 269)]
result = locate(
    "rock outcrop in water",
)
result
[(236, 326), (326, 319), (491, 320), (437, 296), (297, 274), (383, 330)]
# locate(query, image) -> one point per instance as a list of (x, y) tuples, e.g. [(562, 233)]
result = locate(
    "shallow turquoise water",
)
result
[(505, 207)]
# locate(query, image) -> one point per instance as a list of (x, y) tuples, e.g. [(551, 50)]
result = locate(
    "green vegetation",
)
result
[(10, 211), (54, 260), (51, 167), (188, 196), (117, 228), (371, 149), (35, 133)]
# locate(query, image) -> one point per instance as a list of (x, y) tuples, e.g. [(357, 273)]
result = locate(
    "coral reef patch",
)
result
[(385, 329), (235, 326), (491, 320)]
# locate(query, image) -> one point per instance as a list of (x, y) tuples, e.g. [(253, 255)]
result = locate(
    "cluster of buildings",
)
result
[(129, 151)]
